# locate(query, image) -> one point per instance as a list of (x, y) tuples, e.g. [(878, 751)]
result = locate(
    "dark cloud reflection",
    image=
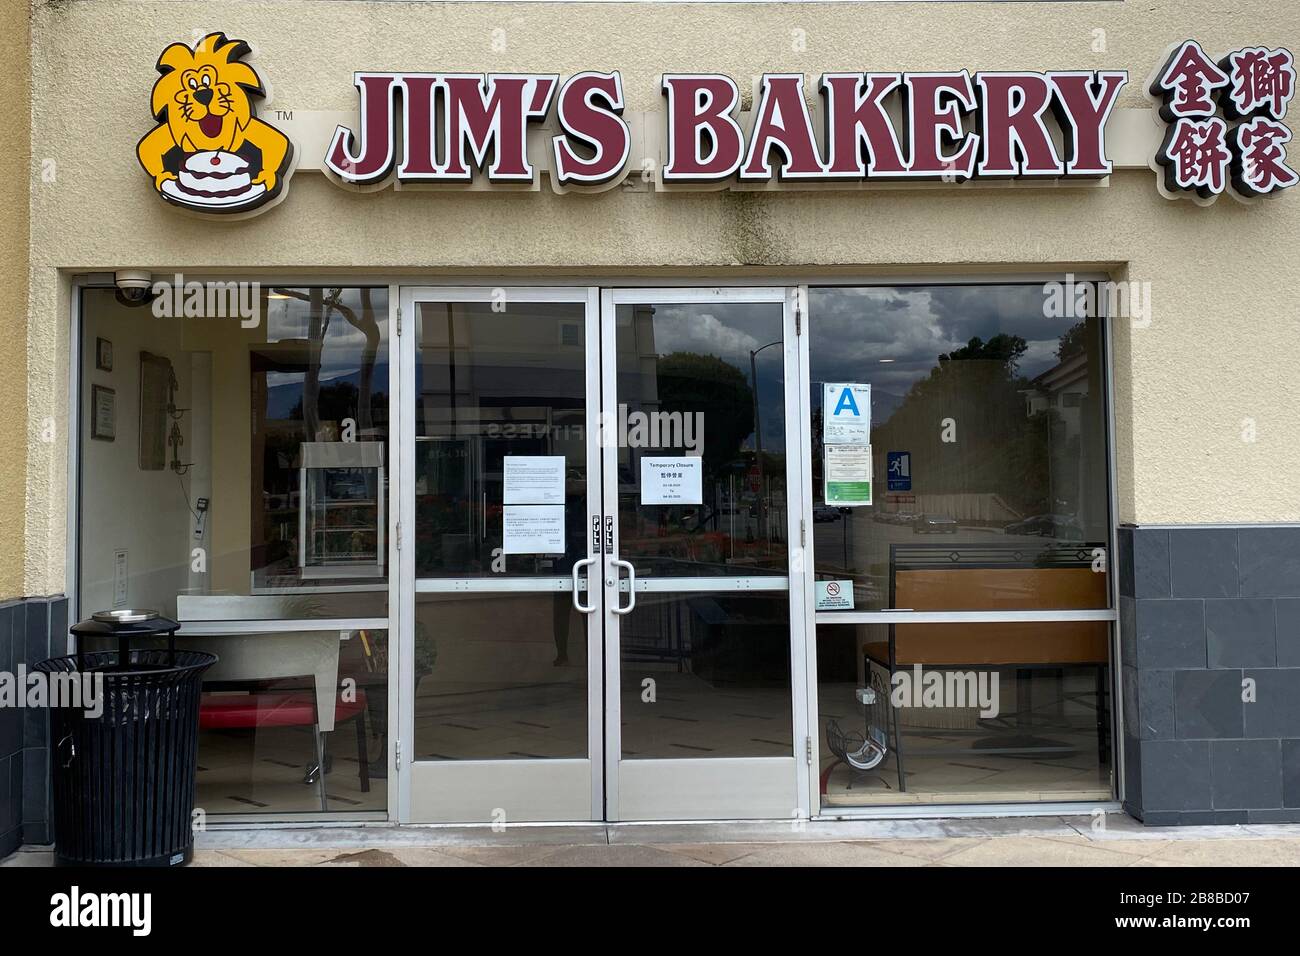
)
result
[(853, 329)]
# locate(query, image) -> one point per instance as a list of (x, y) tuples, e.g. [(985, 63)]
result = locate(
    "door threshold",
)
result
[(231, 824), (1040, 824), (969, 810), (307, 821), (295, 821)]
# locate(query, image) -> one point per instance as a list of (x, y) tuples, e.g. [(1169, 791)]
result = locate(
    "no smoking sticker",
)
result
[(835, 595)]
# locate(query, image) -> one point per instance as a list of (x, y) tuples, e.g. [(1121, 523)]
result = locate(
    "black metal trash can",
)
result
[(123, 781)]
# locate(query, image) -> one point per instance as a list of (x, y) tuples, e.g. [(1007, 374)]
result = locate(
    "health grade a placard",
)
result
[(846, 414)]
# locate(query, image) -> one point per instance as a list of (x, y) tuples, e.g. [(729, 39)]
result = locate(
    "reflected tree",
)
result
[(1000, 447), (689, 382), (322, 305)]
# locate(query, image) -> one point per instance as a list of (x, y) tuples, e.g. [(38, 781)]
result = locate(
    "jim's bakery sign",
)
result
[(211, 152)]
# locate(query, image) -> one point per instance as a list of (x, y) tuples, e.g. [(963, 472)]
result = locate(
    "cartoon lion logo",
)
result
[(209, 151)]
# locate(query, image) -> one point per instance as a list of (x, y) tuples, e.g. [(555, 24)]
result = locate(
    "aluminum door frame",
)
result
[(654, 788), (545, 790)]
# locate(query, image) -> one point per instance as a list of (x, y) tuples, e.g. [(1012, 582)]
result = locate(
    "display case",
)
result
[(341, 510)]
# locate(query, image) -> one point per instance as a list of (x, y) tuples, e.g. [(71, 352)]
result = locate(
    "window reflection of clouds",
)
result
[(343, 346), (730, 331), (855, 328)]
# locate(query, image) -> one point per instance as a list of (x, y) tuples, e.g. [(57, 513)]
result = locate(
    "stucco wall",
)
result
[(15, 119), (1222, 347)]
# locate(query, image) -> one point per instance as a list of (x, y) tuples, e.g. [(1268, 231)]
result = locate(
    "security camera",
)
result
[(134, 286)]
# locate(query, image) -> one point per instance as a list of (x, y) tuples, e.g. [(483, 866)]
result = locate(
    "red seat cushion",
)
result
[(237, 711)]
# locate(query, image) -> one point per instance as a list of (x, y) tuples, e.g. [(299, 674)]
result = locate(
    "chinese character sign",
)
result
[(1224, 130), (1195, 156), (1187, 83), (1262, 82), (1259, 151)]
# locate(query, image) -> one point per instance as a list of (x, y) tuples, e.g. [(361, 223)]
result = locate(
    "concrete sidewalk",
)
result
[(1023, 841)]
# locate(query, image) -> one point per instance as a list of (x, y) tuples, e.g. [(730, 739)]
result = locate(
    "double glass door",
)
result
[(597, 523)]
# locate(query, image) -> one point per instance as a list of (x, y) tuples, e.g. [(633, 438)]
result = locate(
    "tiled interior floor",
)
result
[(243, 772), (688, 717), (957, 780), (264, 771), (1069, 767), (467, 721)]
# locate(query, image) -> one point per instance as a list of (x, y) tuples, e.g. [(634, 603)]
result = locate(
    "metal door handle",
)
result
[(631, 586), (578, 566)]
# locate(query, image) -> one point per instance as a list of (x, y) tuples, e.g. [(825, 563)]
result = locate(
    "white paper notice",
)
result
[(533, 529), (846, 414), (534, 480), (671, 481)]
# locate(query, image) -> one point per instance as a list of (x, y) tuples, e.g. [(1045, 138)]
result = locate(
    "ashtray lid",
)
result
[(125, 616)]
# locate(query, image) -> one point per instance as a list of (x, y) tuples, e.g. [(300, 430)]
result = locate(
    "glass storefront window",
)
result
[(236, 475), (707, 382), (707, 675), (494, 383), (996, 410), (499, 677), (989, 482), (976, 713), (233, 475)]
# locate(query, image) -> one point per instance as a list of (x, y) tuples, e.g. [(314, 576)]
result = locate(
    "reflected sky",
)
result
[(853, 329), (288, 318), (730, 331)]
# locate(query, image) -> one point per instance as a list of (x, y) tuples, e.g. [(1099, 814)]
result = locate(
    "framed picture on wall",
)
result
[(155, 384), (103, 413), (103, 355)]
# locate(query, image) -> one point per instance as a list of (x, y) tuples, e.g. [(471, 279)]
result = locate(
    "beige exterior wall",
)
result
[(15, 156), (1223, 345)]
